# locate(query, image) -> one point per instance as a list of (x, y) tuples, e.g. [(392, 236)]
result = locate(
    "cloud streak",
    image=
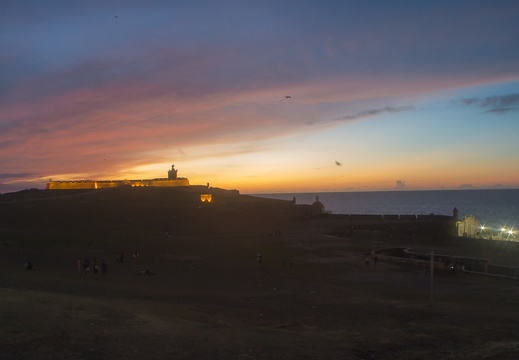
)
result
[(499, 104), (6, 176), (373, 112)]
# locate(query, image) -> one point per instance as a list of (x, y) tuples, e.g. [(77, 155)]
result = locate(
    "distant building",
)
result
[(468, 226), (318, 204), (171, 181)]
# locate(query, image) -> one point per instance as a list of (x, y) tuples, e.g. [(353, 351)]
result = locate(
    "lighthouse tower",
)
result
[(172, 174)]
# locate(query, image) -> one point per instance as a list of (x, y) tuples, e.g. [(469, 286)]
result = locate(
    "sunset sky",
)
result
[(261, 96)]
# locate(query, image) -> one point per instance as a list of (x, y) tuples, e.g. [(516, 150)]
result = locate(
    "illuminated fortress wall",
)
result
[(171, 181), (69, 185)]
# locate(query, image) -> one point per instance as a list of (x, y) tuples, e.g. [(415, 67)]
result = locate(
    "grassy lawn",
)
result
[(311, 298)]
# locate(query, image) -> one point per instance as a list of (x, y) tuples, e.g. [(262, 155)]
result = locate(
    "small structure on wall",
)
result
[(317, 203), (172, 174)]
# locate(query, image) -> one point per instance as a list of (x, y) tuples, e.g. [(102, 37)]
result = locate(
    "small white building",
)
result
[(468, 226)]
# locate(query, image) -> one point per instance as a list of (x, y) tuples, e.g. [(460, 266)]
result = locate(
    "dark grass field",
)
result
[(312, 297)]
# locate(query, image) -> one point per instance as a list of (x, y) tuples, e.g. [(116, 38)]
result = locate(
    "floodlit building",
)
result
[(171, 181), (468, 226)]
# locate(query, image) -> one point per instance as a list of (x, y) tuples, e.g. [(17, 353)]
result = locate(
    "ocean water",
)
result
[(497, 207)]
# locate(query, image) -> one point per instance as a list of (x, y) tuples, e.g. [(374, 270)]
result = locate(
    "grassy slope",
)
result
[(312, 297)]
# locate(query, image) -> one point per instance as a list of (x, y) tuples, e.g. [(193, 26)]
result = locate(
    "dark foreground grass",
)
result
[(311, 298)]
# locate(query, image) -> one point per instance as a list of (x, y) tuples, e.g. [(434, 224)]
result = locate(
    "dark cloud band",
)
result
[(373, 112), (6, 176), (495, 102)]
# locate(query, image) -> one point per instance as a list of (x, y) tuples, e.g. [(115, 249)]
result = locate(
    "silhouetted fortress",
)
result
[(171, 181)]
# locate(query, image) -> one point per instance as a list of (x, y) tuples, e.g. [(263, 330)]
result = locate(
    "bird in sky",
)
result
[(287, 97), (338, 163)]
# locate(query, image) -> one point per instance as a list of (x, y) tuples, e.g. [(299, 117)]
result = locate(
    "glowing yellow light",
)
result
[(206, 197)]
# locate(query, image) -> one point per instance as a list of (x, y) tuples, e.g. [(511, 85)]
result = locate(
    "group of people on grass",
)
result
[(85, 267)]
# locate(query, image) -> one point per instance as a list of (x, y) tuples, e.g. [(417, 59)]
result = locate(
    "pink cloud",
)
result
[(121, 122)]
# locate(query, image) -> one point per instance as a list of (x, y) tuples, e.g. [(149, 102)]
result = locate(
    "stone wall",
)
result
[(107, 184)]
